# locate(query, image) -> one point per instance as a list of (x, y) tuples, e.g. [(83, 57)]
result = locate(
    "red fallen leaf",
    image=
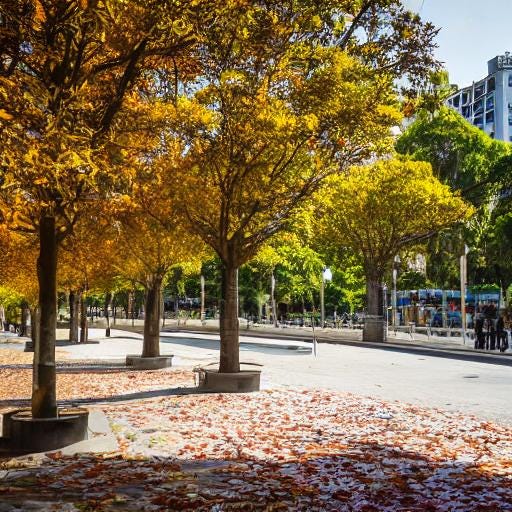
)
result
[(93, 472), (341, 495), (55, 455), (160, 500)]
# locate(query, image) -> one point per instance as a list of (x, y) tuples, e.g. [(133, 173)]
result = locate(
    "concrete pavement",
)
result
[(413, 375), (481, 384)]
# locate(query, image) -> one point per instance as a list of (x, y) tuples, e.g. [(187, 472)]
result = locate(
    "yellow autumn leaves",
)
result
[(378, 208)]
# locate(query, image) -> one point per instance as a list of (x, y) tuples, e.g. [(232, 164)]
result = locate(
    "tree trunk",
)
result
[(374, 324), (34, 326), (151, 344), (24, 319), (44, 399), (108, 299), (84, 328), (374, 296), (74, 306), (131, 305), (229, 343)]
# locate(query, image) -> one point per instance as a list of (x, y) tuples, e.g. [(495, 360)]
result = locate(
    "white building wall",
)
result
[(487, 103)]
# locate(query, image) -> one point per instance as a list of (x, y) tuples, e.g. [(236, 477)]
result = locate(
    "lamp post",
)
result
[(273, 298), (326, 276), (396, 262), (385, 307), (463, 283), (203, 313)]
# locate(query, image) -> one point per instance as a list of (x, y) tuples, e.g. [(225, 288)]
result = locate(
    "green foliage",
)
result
[(372, 210), (9, 298), (412, 280), (461, 155), (467, 159)]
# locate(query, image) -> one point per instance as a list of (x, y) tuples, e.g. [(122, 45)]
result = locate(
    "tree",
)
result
[(150, 249), (468, 160), (87, 262), (380, 208), (65, 70), (17, 274), (461, 155), (290, 93)]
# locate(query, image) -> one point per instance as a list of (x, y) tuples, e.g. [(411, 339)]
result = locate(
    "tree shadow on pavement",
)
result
[(361, 477)]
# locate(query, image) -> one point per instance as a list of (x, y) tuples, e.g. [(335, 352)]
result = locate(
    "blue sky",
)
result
[(472, 32)]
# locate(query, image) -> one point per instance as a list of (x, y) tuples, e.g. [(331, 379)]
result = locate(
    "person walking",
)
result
[(501, 334), (479, 332), (492, 334)]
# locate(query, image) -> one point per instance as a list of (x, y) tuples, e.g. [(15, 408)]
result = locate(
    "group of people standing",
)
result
[(490, 331)]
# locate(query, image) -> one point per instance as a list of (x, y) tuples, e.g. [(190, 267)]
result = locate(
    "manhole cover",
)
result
[(470, 377)]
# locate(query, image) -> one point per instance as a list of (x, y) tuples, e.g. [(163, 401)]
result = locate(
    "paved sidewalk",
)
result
[(353, 337)]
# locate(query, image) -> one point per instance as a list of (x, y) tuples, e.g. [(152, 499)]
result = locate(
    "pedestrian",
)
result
[(479, 331), (501, 334), (469, 320), (492, 334), (487, 333)]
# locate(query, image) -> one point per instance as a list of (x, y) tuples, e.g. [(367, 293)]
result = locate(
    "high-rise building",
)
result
[(488, 103)]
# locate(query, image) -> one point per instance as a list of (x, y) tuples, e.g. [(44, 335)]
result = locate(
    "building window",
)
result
[(465, 97), (510, 80), (479, 121), (466, 112), (478, 106), (479, 90), (456, 101), (491, 84), (489, 117), (489, 103), (510, 120)]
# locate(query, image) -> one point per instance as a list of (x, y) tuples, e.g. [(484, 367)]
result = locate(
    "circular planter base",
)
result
[(7, 414), (148, 363), (31, 435), (374, 329), (243, 382)]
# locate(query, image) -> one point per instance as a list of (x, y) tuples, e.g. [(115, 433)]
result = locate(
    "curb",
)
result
[(463, 353)]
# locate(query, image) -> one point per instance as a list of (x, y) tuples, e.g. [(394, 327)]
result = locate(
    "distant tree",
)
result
[(380, 208), (462, 156), (468, 160)]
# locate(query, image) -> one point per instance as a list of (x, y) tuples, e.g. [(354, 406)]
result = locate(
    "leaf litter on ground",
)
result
[(282, 449)]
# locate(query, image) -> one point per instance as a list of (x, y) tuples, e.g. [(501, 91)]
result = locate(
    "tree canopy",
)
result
[(379, 208)]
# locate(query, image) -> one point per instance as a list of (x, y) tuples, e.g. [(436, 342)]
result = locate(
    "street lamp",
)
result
[(396, 262), (463, 284), (273, 298), (203, 312), (326, 276)]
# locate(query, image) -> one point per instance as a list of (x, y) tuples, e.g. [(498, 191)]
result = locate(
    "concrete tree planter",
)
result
[(245, 381), (25, 434), (148, 363), (374, 329), (6, 420)]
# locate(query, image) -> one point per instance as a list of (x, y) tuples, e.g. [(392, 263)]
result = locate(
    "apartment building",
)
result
[(488, 103)]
